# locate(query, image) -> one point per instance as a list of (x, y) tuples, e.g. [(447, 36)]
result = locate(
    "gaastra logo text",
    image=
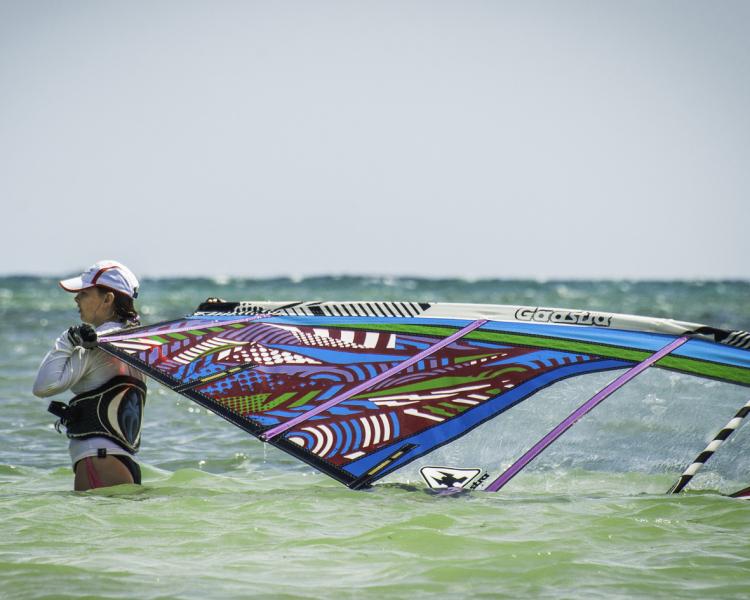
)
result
[(570, 317)]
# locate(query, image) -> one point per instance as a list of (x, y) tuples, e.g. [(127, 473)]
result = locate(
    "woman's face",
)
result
[(94, 305)]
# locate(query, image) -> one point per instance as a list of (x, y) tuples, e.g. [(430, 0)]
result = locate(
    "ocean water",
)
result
[(221, 515)]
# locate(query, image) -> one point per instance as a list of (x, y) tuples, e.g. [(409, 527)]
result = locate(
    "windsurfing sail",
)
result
[(398, 380)]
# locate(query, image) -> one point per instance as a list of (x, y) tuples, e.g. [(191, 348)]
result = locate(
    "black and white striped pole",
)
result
[(703, 457)]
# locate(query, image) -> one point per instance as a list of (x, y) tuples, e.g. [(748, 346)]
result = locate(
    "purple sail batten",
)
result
[(365, 385), (571, 419)]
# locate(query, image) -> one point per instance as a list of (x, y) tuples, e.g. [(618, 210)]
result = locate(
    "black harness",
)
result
[(113, 411)]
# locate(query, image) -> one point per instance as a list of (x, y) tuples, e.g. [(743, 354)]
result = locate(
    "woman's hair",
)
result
[(125, 310), (123, 306)]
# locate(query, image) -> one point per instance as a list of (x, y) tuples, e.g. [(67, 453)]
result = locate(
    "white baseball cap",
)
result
[(105, 273)]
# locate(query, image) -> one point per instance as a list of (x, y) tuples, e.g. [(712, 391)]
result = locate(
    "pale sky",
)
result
[(560, 139)]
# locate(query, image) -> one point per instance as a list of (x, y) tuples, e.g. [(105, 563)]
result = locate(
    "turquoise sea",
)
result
[(220, 515)]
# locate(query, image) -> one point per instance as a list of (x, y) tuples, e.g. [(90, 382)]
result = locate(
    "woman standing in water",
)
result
[(103, 420)]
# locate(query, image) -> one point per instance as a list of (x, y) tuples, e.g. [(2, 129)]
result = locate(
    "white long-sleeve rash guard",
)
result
[(79, 370)]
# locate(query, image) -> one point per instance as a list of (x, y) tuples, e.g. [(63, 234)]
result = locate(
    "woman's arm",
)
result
[(61, 368)]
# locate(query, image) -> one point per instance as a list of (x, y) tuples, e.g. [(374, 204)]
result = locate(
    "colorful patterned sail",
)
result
[(261, 365)]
